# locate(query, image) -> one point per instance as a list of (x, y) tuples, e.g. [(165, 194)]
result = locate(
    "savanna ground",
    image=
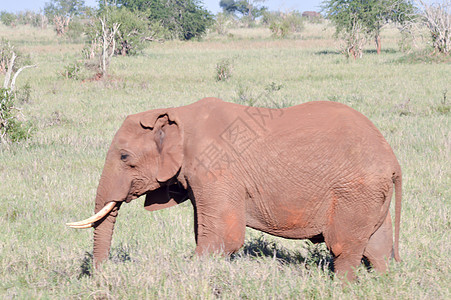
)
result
[(52, 178)]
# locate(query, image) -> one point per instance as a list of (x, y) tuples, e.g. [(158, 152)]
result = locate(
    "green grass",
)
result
[(52, 178)]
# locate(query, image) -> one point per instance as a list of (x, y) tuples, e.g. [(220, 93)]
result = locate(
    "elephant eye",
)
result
[(124, 157)]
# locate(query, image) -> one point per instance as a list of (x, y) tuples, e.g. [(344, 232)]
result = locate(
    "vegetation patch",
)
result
[(424, 56), (12, 128), (224, 69)]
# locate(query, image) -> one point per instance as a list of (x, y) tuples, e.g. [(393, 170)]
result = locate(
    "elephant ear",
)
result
[(168, 137), (164, 197)]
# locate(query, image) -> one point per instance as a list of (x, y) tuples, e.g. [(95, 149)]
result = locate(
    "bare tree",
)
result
[(43, 21), (108, 43), (61, 24), (8, 83), (437, 18), (354, 38), (252, 7)]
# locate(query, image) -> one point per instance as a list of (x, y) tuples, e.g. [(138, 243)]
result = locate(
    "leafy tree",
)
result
[(382, 12), (66, 8), (60, 12), (232, 6), (283, 24), (193, 20), (248, 8), (183, 19), (356, 19), (132, 33), (8, 18)]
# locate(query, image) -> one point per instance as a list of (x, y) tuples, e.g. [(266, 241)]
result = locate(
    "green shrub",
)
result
[(11, 128), (423, 56), (131, 36), (6, 50), (294, 21), (132, 33), (222, 23), (8, 19), (283, 25), (183, 19), (75, 30), (224, 69), (279, 29), (29, 17), (269, 17), (158, 32), (23, 94), (444, 107), (72, 71)]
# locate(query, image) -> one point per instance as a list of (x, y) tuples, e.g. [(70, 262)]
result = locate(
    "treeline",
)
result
[(151, 19), (356, 22)]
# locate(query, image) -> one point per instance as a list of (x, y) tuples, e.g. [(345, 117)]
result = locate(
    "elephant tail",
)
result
[(397, 179)]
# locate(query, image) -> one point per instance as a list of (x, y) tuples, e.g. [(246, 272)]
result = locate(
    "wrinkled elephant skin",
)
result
[(319, 171)]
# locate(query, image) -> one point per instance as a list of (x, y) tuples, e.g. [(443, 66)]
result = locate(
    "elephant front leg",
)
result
[(219, 225)]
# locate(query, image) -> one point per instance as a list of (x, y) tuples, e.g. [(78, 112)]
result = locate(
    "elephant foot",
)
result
[(345, 265)]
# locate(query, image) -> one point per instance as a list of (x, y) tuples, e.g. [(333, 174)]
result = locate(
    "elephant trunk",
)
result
[(103, 233), (103, 228), (111, 192)]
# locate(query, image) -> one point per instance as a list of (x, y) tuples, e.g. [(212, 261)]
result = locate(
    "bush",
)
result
[(183, 19), (194, 21), (131, 35), (11, 128), (269, 17), (158, 32), (294, 21), (223, 69), (75, 30), (283, 25), (6, 50), (279, 29), (23, 94), (29, 17), (72, 71), (222, 23), (437, 18), (8, 19)]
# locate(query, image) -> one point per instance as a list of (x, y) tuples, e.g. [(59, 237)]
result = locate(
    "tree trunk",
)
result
[(378, 43)]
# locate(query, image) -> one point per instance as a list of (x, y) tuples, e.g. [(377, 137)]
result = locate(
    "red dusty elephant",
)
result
[(318, 171)]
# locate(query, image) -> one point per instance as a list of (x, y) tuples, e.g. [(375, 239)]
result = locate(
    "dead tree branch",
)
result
[(108, 43), (9, 71), (11, 85), (437, 19)]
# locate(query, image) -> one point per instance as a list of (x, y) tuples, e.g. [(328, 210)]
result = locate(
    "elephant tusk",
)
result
[(88, 222), (79, 226)]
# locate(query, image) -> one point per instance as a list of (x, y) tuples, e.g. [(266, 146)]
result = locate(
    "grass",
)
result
[(52, 178)]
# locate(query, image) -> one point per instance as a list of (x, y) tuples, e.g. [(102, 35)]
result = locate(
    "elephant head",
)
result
[(145, 155)]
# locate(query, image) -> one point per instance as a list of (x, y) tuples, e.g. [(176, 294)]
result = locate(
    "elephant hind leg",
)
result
[(380, 246), (346, 262)]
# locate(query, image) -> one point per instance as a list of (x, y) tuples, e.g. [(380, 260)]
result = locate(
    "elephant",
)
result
[(319, 170)]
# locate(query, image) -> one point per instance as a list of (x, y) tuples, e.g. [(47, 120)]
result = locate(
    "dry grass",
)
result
[(52, 178)]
